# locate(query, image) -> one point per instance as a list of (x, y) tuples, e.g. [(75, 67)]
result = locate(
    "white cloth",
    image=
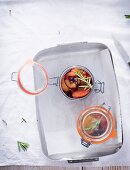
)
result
[(28, 27)]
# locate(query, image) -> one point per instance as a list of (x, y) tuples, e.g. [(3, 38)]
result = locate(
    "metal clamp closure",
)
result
[(86, 144), (107, 106), (53, 81), (99, 86)]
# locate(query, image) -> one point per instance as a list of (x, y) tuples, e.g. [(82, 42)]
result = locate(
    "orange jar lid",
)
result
[(96, 125)]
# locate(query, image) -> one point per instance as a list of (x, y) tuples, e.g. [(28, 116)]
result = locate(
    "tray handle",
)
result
[(83, 160), (14, 76)]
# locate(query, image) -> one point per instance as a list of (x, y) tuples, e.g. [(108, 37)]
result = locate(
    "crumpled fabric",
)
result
[(28, 27)]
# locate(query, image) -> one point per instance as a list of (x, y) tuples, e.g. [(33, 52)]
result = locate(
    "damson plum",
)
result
[(64, 86), (69, 93), (80, 93), (72, 72), (87, 123), (103, 123), (71, 85)]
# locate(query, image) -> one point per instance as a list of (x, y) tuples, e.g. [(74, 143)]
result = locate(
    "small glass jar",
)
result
[(69, 83), (96, 125)]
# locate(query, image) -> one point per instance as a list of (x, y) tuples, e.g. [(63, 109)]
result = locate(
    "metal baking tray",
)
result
[(57, 115)]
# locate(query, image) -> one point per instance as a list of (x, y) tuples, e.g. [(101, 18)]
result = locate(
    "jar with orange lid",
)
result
[(96, 125)]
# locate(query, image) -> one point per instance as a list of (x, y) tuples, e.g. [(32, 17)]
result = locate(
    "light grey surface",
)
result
[(33, 26), (57, 114)]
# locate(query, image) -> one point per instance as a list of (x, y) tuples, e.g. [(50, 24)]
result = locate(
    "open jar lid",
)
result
[(26, 77), (96, 125)]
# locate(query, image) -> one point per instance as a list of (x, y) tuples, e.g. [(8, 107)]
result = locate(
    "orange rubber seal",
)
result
[(31, 62), (112, 133)]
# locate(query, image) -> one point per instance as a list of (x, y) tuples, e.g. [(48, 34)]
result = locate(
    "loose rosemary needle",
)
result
[(23, 120), (22, 146), (127, 16), (4, 122)]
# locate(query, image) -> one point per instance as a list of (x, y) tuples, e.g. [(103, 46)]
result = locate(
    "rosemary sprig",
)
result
[(94, 125), (84, 79), (23, 120), (85, 87), (127, 16), (4, 122), (22, 145)]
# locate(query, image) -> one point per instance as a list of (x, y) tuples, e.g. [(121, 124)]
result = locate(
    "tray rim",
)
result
[(50, 51)]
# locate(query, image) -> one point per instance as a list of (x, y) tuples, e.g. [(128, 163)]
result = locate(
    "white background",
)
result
[(36, 25)]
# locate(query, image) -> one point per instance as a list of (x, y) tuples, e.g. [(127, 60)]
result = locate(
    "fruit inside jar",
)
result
[(94, 124), (76, 83)]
